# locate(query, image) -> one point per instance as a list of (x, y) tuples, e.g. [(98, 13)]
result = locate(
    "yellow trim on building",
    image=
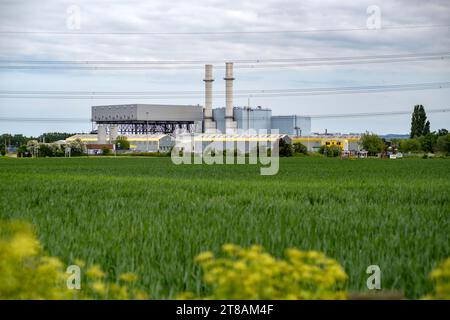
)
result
[(314, 139), (95, 139), (306, 139), (233, 139), (143, 139), (82, 139)]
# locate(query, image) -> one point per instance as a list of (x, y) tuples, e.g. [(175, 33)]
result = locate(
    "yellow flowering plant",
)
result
[(27, 273), (441, 279), (251, 273)]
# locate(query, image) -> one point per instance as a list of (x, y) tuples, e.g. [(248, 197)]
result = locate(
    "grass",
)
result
[(148, 216)]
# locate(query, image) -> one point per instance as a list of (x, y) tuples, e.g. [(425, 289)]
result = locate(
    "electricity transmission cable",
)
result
[(319, 116), (64, 95), (228, 32)]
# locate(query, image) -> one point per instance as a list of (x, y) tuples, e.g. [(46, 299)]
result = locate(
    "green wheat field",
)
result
[(151, 217)]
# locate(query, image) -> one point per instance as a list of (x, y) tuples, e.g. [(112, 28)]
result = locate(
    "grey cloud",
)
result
[(218, 16)]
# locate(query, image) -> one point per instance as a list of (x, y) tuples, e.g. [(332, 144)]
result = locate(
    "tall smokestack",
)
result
[(209, 124), (229, 123), (208, 90)]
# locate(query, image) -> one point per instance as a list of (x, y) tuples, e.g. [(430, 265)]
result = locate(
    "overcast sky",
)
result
[(157, 16)]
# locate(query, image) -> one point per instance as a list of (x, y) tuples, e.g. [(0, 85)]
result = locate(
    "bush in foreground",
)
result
[(441, 279), (26, 273), (251, 273)]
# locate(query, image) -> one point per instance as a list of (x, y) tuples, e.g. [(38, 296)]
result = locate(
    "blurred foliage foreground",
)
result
[(237, 273), (27, 273)]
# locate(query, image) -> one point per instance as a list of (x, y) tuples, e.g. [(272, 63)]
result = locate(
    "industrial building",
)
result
[(151, 127), (156, 142), (111, 120), (243, 143), (230, 118), (292, 125), (345, 142), (261, 119), (145, 118)]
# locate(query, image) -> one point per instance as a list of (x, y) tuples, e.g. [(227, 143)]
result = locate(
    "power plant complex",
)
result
[(151, 127)]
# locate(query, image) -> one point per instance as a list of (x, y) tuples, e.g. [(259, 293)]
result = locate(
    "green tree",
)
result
[(122, 143), (15, 140), (428, 142), (286, 149), (372, 143), (300, 148), (419, 124), (106, 151), (330, 151), (443, 144), (23, 152), (426, 128), (76, 147), (410, 145), (33, 147), (54, 136), (45, 150), (442, 132)]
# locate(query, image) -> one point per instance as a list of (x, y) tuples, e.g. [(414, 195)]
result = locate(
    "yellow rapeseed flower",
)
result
[(128, 277), (230, 248), (204, 256), (23, 245), (251, 273), (95, 272), (99, 287)]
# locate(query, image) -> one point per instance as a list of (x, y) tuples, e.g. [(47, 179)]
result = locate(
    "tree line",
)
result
[(421, 139)]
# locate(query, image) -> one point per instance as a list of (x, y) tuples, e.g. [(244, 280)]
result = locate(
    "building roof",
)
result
[(321, 137), (239, 137), (83, 137), (131, 137), (141, 113)]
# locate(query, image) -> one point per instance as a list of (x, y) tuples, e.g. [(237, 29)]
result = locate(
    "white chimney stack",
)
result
[(230, 125), (208, 118)]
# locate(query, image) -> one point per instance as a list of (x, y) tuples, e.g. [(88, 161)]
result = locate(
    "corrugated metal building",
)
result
[(262, 119), (138, 142), (246, 118), (244, 143), (146, 112), (292, 125), (345, 142)]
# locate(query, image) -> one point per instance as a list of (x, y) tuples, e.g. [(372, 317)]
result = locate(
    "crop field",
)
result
[(148, 216)]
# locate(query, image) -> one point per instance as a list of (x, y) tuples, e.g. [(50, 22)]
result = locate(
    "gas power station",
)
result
[(150, 127)]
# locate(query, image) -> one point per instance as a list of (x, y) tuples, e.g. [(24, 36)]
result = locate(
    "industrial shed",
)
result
[(146, 112), (245, 118), (150, 142), (138, 142), (345, 142), (291, 124), (244, 143), (145, 118)]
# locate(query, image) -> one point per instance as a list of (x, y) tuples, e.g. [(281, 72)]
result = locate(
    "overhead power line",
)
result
[(227, 32), (198, 64), (374, 114), (319, 116), (236, 61), (243, 66), (64, 95)]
